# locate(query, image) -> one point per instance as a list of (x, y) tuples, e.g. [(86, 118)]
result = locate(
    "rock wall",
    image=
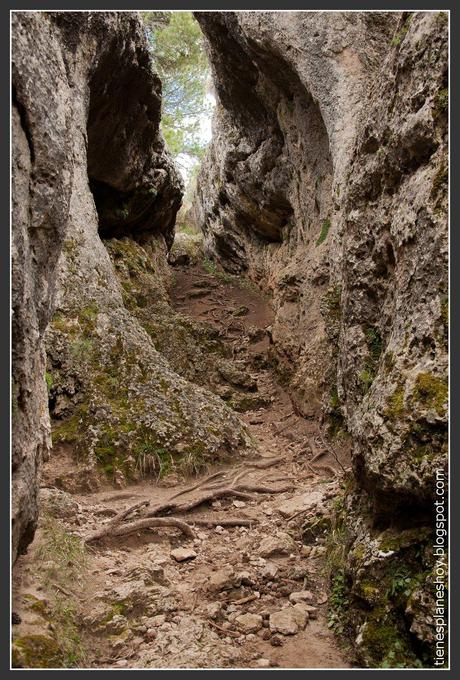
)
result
[(327, 182), (90, 163), (289, 87)]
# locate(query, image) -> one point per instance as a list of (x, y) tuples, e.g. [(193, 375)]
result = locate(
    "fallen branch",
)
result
[(231, 633), (245, 600)]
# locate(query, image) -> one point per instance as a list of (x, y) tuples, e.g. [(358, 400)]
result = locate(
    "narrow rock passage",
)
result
[(252, 595)]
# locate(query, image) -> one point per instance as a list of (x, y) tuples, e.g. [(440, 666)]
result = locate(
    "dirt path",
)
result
[(243, 597)]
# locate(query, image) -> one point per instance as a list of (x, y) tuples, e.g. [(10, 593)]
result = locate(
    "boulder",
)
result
[(249, 623), (300, 503), (278, 544), (284, 621), (183, 554), (223, 579)]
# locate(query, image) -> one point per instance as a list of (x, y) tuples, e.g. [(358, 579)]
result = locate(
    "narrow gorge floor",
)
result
[(248, 596)]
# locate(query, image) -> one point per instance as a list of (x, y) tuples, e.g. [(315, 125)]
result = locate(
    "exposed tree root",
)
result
[(213, 495), (207, 492), (317, 456), (145, 523), (235, 522), (265, 489), (264, 464), (189, 489), (115, 522), (329, 469)]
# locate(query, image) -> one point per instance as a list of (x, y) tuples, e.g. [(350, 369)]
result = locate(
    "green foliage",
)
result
[(49, 381), (180, 59), (332, 301), (366, 378), (36, 651), (185, 229), (122, 213), (67, 553), (399, 37), (338, 602), (68, 430), (373, 342), (150, 457), (324, 231), (242, 310), (401, 583), (80, 348), (336, 419), (442, 100), (209, 266), (389, 361)]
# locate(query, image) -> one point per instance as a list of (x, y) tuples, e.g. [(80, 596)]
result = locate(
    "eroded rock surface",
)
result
[(326, 182), (289, 89), (90, 162)]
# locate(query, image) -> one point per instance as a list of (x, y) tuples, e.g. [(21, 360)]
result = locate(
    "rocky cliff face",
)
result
[(90, 164), (327, 182), (289, 88)]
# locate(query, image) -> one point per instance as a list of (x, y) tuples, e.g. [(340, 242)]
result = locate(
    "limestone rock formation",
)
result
[(289, 89), (90, 163), (116, 401), (326, 182)]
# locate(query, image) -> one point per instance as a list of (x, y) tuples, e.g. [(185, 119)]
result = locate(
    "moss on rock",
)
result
[(431, 392), (36, 651)]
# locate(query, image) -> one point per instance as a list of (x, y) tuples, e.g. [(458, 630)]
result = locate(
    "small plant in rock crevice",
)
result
[(374, 345), (324, 231)]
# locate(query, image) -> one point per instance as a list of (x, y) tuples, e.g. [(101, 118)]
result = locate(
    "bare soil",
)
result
[(171, 615)]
